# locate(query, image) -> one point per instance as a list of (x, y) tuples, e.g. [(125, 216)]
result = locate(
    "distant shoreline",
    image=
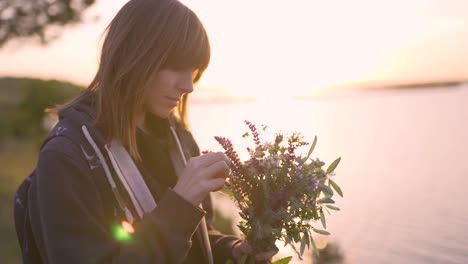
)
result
[(9, 94), (416, 85)]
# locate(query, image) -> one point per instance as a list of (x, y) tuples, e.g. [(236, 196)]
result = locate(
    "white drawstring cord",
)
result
[(128, 213), (203, 222)]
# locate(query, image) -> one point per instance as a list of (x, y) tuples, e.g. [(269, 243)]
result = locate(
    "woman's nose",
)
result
[(186, 86)]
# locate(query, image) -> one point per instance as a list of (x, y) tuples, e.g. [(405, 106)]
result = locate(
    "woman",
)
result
[(120, 178)]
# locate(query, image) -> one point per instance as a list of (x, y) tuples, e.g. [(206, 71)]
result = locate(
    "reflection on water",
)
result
[(404, 167)]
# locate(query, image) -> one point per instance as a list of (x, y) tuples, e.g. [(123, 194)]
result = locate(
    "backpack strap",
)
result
[(131, 178), (29, 250)]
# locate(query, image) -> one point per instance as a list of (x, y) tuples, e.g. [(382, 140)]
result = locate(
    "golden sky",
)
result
[(298, 46)]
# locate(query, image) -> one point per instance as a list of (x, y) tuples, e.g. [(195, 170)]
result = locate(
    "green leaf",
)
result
[(320, 231), (230, 261), (322, 218), (289, 238), (336, 187), (283, 260), (312, 147), (316, 251), (246, 134), (332, 207), (306, 238), (297, 237), (326, 200), (332, 166), (304, 242), (303, 245), (326, 188)]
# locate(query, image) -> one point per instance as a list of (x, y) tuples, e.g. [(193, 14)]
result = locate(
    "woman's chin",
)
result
[(162, 113)]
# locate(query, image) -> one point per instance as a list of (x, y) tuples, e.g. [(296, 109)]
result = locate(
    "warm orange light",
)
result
[(128, 227)]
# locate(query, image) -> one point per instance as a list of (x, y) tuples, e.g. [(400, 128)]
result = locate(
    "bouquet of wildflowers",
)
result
[(279, 193)]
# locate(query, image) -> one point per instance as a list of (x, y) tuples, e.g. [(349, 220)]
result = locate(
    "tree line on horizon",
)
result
[(22, 105)]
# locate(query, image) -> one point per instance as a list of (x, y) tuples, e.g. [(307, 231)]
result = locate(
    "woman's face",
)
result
[(166, 89)]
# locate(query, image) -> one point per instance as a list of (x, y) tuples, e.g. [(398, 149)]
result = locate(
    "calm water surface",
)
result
[(404, 168)]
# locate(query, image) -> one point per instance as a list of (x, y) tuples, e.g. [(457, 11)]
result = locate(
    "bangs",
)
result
[(191, 49)]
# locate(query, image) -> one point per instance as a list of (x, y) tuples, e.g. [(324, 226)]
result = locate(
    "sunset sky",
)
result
[(269, 46)]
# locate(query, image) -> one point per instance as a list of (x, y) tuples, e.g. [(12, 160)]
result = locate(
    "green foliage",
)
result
[(25, 18), (314, 246), (335, 187), (283, 261), (312, 147), (320, 231), (332, 166), (332, 207), (326, 200), (322, 218), (22, 105), (17, 160)]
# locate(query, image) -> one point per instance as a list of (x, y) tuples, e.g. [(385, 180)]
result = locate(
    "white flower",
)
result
[(270, 162)]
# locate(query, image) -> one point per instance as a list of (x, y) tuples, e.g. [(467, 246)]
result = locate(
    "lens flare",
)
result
[(128, 227), (123, 232)]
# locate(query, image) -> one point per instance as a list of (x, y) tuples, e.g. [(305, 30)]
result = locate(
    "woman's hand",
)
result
[(244, 248), (202, 175)]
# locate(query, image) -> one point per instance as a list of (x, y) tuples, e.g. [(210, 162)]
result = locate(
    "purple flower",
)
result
[(254, 132), (236, 165), (275, 189)]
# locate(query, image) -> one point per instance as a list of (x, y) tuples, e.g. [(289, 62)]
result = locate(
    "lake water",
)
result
[(404, 168)]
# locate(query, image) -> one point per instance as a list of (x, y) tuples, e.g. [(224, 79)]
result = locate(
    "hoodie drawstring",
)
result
[(204, 228), (128, 213)]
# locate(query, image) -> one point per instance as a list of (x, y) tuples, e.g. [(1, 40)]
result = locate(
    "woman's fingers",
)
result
[(241, 248), (209, 158), (203, 174), (215, 184), (244, 247), (210, 165), (217, 170)]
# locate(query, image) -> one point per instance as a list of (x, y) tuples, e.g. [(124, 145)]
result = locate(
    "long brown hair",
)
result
[(145, 36)]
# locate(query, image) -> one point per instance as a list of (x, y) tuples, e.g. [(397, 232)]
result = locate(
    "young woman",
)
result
[(120, 178)]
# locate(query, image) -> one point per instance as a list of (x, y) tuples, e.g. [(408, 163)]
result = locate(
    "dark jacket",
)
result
[(65, 212)]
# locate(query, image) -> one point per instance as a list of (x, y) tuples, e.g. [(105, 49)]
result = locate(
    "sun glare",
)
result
[(277, 49), (270, 48)]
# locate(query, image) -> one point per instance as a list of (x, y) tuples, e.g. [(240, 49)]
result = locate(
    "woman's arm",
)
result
[(69, 225), (221, 244)]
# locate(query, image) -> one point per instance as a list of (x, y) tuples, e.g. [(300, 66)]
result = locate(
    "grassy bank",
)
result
[(17, 160)]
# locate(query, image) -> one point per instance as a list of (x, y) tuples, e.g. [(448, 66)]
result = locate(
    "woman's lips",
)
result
[(173, 101)]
